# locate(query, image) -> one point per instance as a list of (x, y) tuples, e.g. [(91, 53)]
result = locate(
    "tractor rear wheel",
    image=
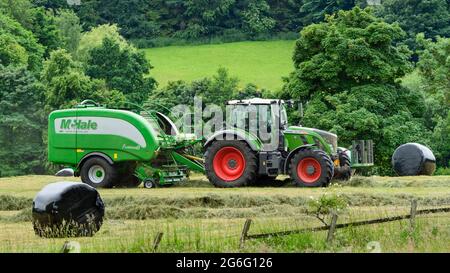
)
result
[(230, 164), (311, 168), (345, 170), (98, 173)]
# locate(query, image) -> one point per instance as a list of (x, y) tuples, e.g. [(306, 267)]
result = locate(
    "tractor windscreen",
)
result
[(253, 118)]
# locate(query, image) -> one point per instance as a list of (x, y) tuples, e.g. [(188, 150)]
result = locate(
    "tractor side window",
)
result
[(283, 117)]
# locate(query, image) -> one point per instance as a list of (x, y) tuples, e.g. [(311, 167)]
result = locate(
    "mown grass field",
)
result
[(262, 63), (196, 217)]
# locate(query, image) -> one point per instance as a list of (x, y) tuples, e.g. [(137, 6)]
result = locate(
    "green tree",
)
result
[(11, 52), (123, 69), (21, 122), (286, 14), (69, 29), (174, 93), (66, 84), (431, 17), (45, 30), (440, 141), (346, 70), (314, 11), (387, 114), (434, 69), (35, 19), (257, 17), (350, 48), (217, 89), (25, 39), (19, 10), (94, 38), (250, 91)]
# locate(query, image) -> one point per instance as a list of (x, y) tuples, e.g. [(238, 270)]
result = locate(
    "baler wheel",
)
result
[(149, 183), (98, 173)]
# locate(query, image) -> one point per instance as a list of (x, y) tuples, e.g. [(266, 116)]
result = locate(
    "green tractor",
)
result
[(258, 144)]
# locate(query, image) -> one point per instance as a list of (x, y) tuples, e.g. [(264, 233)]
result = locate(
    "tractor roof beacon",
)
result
[(258, 144)]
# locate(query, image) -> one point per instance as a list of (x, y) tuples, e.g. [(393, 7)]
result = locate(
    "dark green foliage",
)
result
[(20, 10), (25, 39), (431, 17), (314, 11), (346, 69), (349, 49), (387, 114), (217, 90), (69, 29), (434, 70), (66, 84), (249, 92), (158, 21), (21, 122), (37, 20), (11, 52), (123, 69), (45, 30)]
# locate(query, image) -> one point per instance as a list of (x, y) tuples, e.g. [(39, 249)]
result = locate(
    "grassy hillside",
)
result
[(196, 217), (261, 63)]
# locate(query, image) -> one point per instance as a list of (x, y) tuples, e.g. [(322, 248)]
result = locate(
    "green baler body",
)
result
[(121, 135)]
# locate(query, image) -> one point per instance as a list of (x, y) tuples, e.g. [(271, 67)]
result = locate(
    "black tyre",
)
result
[(230, 164), (150, 183), (98, 173), (311, 168), (344, 172)]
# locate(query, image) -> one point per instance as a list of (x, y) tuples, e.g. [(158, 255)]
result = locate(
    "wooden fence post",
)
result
[(332, 227), (247, 224), (157, 240)]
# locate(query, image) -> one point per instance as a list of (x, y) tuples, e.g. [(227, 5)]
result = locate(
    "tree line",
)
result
[(160, 22)]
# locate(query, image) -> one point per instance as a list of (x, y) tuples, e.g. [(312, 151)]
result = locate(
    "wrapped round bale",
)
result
[(67, 209), (413, 159)]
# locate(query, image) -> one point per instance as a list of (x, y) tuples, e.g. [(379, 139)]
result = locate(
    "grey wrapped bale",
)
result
[(413, 159)]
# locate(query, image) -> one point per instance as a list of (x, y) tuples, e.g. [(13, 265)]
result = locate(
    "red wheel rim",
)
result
[(229, 164), (309, 170)]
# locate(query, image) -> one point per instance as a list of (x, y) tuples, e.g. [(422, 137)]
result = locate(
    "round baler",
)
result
[(119, 148)]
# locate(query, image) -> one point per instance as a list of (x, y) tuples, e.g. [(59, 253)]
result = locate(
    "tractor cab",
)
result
[(264, 118)]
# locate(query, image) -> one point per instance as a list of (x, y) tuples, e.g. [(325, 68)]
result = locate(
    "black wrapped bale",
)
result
[(67, 209), (413, 159)]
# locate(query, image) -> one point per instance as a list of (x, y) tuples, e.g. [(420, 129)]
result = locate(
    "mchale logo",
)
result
[(68, 124)]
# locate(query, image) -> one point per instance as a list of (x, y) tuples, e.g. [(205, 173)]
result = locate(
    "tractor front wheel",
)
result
[(311, 168), (98, 173), (230, 164)]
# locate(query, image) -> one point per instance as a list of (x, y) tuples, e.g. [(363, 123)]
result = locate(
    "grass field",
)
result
[(196, 217), (261, 63)]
